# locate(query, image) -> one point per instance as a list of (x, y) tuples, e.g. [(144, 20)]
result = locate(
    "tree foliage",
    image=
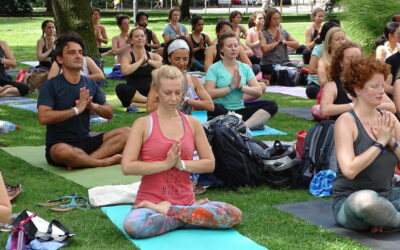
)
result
[(367, 18), (330, 4), (15, 7)]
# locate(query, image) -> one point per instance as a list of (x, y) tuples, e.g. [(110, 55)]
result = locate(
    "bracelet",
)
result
[(240, 87), (183, 168), (76, 111), (379, 145), (395, 144), (231, 88), (351, 105)]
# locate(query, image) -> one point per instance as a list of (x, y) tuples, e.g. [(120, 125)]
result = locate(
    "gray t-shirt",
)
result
[(171, 32), (279, 54), (377, 176)]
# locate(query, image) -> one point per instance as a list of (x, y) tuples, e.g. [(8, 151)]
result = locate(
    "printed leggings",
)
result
[(143, 222)]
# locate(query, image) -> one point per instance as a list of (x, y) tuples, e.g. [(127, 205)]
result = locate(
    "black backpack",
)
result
[(319, 152), (237, 158)]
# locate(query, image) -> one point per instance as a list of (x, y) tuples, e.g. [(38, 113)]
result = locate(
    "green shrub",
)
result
[(15, 8), (367, 19)]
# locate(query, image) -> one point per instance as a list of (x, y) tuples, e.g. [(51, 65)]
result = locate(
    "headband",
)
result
[(177, 44)]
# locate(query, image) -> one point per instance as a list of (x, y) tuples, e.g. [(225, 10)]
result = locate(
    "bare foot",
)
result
[(161, 207), (112, 160), (200, 202)]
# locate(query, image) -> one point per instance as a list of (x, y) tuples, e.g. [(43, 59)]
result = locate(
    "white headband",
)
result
[(177, 44)]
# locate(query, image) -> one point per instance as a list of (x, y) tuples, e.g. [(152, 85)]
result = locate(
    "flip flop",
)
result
[(13, 191), (59, 201), (80, 202)]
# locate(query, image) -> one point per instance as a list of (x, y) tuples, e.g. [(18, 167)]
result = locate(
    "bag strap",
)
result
[(59, 225)]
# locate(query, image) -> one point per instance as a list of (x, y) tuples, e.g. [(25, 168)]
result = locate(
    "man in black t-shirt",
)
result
[(152, 41), (65, 103)]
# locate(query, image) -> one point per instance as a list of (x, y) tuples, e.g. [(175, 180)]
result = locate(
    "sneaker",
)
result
[(132, 109)]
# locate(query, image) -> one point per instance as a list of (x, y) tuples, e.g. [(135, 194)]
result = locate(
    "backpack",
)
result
[(319, 153), (237, 157)]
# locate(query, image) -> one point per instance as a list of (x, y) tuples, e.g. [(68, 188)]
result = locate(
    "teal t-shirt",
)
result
[(222, 78), (317, 51)]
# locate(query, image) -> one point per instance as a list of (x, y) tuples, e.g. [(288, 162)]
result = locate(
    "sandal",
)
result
[(80, 202), (13, 191), (56, 202)]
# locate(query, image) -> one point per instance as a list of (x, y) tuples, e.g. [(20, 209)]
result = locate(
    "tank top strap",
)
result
[(187, 130), (362, 133), (133, 57), (148, 54), (154, 125)]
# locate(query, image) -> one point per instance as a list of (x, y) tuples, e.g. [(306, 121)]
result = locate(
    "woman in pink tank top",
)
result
[(160, 148)]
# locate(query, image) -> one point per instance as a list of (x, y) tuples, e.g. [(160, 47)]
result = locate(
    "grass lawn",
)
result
[(262, 222)]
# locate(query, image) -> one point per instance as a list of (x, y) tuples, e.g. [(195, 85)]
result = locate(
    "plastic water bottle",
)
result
[(6, 127), (97, 120)]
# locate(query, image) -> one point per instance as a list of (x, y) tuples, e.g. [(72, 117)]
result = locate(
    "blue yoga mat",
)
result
[(107, 70), (202, 116), (15, 100), (27, 106), (193, 239)]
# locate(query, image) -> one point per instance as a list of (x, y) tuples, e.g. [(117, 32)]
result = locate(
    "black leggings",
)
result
[(126, 92), (250, 108), (22, 88)]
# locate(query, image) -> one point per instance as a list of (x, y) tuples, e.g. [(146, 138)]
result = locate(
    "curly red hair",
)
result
[(360, 70)]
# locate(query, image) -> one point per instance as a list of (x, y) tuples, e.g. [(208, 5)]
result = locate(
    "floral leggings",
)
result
[(143, 222)]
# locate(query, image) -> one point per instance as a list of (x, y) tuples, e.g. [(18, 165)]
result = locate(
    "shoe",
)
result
[(132, 109), (13, 191)]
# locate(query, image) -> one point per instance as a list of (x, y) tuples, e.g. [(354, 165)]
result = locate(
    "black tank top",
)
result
[(141, 78), (199, 55), (46, 64), (149, 38), (341, 98)]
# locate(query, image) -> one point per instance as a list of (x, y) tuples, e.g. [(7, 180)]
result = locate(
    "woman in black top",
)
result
[(199, 41), (335, 100), (45, 45), (137, 66), (7, 87)]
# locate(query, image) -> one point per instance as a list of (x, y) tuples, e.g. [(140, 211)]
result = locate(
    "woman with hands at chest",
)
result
[(366, 141), (228, 80), (160, 148)]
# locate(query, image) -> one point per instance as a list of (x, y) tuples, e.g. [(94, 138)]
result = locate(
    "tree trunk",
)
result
[(184, 6), (75, 15), (49, 8)]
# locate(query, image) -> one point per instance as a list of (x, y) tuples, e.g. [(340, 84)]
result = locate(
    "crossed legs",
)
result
[(156, 219), (107, 154), (365, 209)]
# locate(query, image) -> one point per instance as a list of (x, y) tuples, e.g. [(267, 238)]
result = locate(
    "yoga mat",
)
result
[(320, 213), (87, 177), (193, 239), (16, 100), (27, 106), (293, 91), (107, 70), (31, 63), (300, 112), (202, 117)]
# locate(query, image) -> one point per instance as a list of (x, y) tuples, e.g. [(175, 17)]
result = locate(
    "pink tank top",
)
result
[(171, 185), (254, 37)]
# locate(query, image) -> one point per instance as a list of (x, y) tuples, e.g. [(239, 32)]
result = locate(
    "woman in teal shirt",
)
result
[(227, 81)]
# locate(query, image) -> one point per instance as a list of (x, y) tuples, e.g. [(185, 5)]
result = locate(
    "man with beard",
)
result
[(142, 19), (65, 104)]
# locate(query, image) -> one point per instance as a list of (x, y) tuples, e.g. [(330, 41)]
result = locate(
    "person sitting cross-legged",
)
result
[(64, 105), (160, 147)]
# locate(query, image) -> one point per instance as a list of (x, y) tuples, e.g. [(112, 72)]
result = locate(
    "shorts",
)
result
[(89, 145)]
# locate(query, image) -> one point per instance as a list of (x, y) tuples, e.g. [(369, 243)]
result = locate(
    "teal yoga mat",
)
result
[(87, 177), (202, 117), (184, 239)]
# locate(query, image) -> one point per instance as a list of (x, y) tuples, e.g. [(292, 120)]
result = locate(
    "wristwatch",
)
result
[(240, 87), (379, 145)]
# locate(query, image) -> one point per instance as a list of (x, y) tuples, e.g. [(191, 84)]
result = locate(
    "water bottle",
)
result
[(6, 127), (97, 120)]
